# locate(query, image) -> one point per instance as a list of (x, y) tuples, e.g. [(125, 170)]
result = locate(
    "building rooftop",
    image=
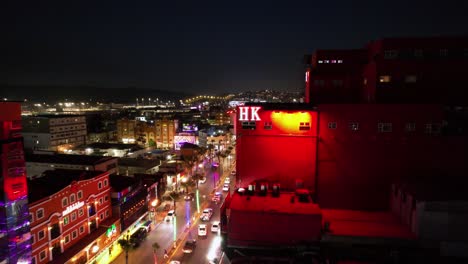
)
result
[(119, 182), (54, 116), (97, 145), (53, 181), (436, 188), (283, 106), (365, 224), (268, 203), (67, 159), (142, 163)]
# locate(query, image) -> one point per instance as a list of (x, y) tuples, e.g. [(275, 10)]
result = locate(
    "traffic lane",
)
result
[(208, 246)]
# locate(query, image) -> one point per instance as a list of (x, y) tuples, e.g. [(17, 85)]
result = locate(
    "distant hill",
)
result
[(56, 93)]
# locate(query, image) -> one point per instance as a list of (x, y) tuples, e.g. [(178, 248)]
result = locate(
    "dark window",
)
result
[(353, 126), (332, 125)]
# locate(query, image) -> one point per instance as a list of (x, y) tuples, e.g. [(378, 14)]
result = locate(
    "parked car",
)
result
[(207, 214), (189, 246), (202, 180), (189, 197), (138, 236), (215, 227), (202, 230), (169, 216), (227, 180), (226, 187)]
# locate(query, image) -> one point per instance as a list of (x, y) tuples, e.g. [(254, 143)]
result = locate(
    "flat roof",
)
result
[(98, 145), (283, 106), (53, 181), (120, 182), (67, 159), (436, 187), (139, 162), (268, 203), (352, 223)]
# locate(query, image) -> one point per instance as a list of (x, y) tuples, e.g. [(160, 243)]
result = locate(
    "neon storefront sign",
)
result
[(249, 113), (72, 207)]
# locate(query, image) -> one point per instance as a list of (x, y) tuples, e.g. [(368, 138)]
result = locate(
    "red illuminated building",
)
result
[(375, 117), (391, 70), (15, 245), (71, 213)]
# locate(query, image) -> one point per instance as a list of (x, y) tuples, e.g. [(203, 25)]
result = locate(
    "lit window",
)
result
[(80, 195), (67, 239), (410, 127), (320, 61), (353, 126), (390, 54), (326, 61), (331, 125), (333, 61), (72, 198), (410, 78), (384, 127), (340, 61), (385, 78), (65, 220)]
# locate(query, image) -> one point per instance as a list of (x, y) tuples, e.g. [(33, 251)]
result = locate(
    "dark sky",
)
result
[(199, 46)]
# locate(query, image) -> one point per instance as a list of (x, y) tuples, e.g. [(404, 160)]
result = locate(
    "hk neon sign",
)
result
[(72, 207), (249, 113)]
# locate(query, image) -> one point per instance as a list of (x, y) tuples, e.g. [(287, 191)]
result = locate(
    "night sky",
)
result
[(199, 46)]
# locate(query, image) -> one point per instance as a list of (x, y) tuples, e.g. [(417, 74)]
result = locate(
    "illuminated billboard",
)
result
[(189, 127)]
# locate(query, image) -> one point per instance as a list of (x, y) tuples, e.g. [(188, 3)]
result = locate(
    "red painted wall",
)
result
[(356, 168), (281, 154)]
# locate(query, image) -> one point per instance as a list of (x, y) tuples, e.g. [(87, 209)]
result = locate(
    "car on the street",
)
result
[(174, 262), (227, 180), (138, 236), (189, 196), (215, 227), (226, 187), (202, 230), (216, 197), (169, 216), (189, 246), (207, 214), (202, 180)]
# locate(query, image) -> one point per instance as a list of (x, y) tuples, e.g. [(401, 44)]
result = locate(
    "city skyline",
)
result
[(202, 47)]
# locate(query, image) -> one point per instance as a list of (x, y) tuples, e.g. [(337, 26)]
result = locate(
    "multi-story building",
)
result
[(380, 119), (70, 215), (390, 70), (54, 132), (129, 200), (165, 131), (15, 244), (36, 164), (126, 131)]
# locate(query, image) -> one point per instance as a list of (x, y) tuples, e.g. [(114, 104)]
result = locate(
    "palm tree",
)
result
[(173, 196), (189, 183), (126, 246), (155, 248), (197, 177)]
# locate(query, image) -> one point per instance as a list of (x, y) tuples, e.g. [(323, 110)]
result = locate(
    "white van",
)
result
[(202, 230), (169, 216)]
